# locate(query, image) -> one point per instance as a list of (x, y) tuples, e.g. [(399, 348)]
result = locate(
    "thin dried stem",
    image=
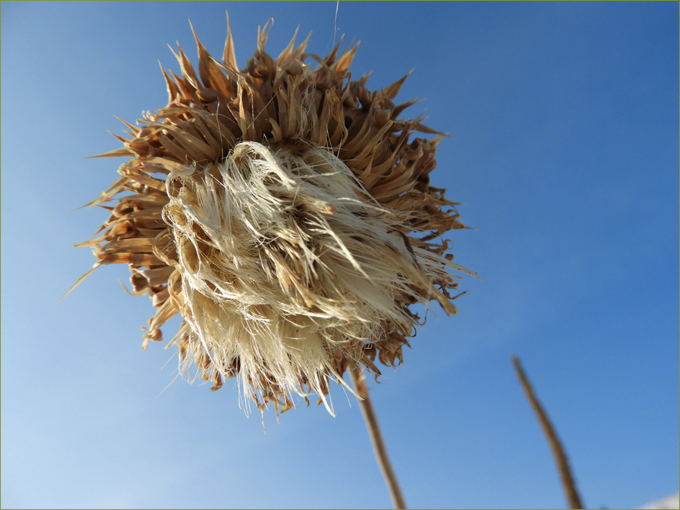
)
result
[(566, 477), (359, 382)]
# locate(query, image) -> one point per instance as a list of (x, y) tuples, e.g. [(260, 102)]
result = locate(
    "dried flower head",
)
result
[(286, 214)]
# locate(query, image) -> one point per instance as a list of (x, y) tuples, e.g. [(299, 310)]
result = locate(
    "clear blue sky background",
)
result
[(564, 148)]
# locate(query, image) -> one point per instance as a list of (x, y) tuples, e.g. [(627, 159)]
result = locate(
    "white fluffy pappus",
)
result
[(285, 259)]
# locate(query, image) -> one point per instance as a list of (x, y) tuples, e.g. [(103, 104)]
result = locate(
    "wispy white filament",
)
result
[(284, 258)]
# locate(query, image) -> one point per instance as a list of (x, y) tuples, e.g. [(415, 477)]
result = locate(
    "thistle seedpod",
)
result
[(286, 213)]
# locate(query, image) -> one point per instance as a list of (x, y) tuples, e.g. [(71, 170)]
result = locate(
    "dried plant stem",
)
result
[(359, 382), (566, 478)]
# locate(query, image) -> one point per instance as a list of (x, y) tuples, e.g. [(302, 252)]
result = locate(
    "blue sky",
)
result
[(564, 147)]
